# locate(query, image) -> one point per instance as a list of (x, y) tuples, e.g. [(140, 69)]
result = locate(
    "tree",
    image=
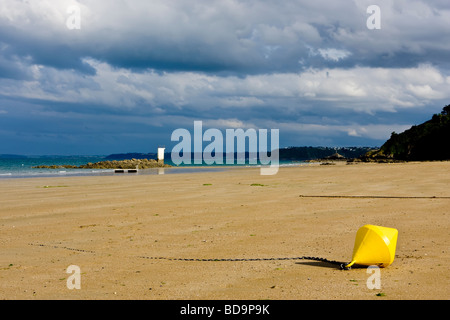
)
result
[(446, 110)]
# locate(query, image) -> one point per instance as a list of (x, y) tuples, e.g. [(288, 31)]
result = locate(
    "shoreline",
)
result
[(97, 172), (104, 173), (107, 225), (63, 172)]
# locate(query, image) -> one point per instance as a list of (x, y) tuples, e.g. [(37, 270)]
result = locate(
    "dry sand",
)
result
[(118, 219)]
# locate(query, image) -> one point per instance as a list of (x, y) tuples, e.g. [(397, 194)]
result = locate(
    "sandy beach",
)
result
[(108, 225)]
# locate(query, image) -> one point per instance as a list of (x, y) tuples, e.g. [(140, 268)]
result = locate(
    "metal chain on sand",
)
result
[(341, 265)]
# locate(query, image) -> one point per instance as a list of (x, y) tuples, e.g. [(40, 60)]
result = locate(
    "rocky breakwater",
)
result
[(377, 156), (114, 164)]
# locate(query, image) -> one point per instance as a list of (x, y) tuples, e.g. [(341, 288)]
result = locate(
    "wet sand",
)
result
[(108, 225)]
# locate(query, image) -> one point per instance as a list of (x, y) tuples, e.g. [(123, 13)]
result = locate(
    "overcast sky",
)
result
[(136, 70)]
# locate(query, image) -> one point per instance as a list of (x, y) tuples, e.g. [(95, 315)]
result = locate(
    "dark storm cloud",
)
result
[(137, 69), (229, 36)]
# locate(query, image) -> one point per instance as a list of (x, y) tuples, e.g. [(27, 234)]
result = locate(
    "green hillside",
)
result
[(427, 141)]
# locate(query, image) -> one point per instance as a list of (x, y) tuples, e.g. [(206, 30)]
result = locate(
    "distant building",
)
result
[(160, 157)]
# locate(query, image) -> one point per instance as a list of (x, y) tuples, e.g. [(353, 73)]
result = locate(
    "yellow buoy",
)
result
[(374, 245)]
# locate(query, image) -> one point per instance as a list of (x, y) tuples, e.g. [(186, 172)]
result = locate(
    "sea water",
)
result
[(23, 167)]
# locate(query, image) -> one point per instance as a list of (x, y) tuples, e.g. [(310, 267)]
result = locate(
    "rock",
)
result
[(335, 156), (123, 164)]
